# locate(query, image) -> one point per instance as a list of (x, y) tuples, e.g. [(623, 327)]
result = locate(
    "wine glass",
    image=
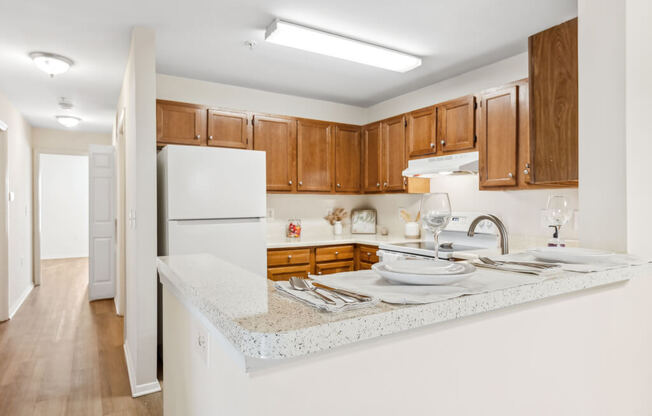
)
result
[(436, 214), (559, 213)]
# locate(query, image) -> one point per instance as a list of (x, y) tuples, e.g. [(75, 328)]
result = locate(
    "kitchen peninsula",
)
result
[(234, 346)]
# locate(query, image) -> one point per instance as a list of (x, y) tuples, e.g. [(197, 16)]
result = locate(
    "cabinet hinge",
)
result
[(475, 139), (475, 105), (405, 121)]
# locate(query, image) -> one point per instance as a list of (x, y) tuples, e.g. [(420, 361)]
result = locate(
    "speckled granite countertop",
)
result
[(261, 323)]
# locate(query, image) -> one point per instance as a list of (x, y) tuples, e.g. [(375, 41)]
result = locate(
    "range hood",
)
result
[(460, 163)]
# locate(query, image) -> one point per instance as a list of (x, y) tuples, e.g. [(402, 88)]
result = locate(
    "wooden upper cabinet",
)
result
[(421, 133), (278, 138), (180, 123), (371, 154), (498, 139), (228, 129), (394, 155), (456, 124), (348, 149), (314, 156), (554, 104)]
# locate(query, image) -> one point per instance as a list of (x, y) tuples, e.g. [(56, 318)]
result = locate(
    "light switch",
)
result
[(200, 342), (12, 196)]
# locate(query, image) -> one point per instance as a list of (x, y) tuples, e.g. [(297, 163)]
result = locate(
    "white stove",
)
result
[(452, 240)]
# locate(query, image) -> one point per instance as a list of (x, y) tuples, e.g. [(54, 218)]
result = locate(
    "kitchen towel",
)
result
[(316, 302), (370, 283)]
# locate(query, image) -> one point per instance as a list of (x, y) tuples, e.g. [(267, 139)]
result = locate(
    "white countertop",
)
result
[(330, 239), (262, 324)]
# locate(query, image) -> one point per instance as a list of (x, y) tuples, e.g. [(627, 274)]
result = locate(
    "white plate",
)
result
[(423, 279), (571, 255), (428, 267)]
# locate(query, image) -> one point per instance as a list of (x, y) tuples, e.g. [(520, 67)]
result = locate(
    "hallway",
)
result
[(61, 355)]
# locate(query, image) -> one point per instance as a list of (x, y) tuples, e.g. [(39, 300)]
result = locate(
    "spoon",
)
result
[(300, 285)]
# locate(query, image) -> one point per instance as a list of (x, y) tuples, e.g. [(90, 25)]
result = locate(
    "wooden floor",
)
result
[(61, 355)]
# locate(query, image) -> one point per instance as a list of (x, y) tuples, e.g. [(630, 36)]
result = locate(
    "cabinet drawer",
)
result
[(284, 273), (365, 266), (334, 267), (288, 257), (368, 254), (333, 253)]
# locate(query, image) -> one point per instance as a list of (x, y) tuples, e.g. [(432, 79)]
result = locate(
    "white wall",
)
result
[(239, 98), (18, 241), (138, 98), (66, 140), (638, 137), (64, 206)]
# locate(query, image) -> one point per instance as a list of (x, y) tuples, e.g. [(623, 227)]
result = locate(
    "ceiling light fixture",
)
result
[(50, 63), (68, 121), (313, 40)]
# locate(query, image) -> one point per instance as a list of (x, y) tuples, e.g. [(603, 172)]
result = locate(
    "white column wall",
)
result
[(638, 135), (138, 98)]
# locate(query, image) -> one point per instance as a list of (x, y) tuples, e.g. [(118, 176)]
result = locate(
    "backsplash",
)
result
[(519, 210)]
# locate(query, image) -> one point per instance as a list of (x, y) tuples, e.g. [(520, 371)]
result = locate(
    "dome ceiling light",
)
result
[(68, 121), (50, 63)]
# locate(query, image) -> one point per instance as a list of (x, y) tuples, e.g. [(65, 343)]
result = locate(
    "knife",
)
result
[(361, 298)]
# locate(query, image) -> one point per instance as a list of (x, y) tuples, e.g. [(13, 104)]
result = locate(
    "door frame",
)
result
[(4, 224), (36, 201)]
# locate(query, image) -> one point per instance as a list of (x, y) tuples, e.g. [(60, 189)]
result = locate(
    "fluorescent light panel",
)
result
[(313, 40)]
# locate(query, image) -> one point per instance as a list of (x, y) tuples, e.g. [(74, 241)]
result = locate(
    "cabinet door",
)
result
[(394, 156), (554, 104), (498, 141), (314, 156), (180, 123), (284, 273), (371, 152), (334, 267), (421, 135), (347, 158), (228, 129), (456, 124), (277, 137)]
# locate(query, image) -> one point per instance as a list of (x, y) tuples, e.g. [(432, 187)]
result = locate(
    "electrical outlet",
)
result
[(270, 213), (200, 342)]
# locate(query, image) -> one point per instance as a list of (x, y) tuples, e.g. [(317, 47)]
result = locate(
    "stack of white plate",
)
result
[(424, 272)]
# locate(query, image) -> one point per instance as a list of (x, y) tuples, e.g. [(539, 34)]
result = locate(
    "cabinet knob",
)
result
[(318, 272), (289, 182), (210, 137), (526, 171), (300, 183), (289, 256), (510, 174), (377, 184), (432, 145), (339, 185), (443, 142), (527, 165), (404, 180), (197, 137), (337, 252), (368, 254), (385, 184)]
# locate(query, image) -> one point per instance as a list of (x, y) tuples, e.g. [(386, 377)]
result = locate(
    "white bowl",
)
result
[(423, 279)]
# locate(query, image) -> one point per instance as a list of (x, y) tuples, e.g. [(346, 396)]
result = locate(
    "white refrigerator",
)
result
[(213, 200)]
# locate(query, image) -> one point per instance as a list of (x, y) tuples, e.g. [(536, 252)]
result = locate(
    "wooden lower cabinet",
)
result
[(283, 263), (285, 272), (334, 267)]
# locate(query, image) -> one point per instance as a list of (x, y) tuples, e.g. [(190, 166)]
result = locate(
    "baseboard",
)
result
[(21, 300), (138, 390)]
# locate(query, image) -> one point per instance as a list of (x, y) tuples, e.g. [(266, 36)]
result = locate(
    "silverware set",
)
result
[(306, 285), (535, 268)]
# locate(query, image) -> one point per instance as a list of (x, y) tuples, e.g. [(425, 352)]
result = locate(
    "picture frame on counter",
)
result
[(363, 221)]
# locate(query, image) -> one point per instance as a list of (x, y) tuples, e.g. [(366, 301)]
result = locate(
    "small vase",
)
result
[(337, 227)]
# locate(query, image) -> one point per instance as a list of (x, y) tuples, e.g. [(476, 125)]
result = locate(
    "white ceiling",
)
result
[(204, 39)]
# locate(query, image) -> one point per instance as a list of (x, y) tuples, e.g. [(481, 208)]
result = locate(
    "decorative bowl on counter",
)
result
[(293, 229)]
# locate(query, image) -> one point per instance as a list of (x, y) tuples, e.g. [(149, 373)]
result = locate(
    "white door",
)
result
[(101, 215)]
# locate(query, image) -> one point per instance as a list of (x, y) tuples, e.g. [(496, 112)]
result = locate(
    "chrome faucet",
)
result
[(504, 243)]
